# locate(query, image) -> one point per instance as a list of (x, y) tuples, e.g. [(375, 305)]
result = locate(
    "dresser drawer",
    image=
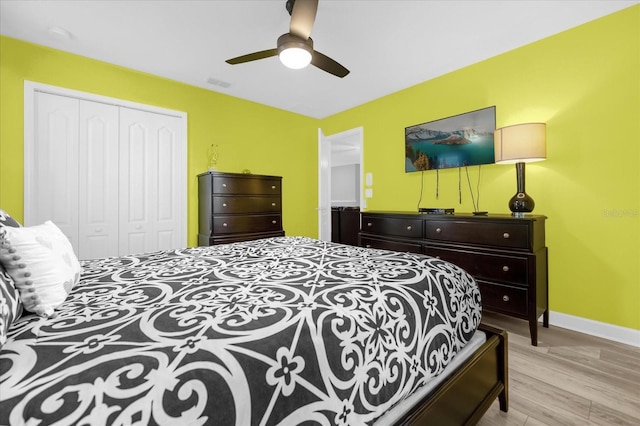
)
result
[(504, 299), (390, 245), (399, 227), (246, 224), (246, 185), (506, 255), (490, 267), (510, 235), (240, 204)]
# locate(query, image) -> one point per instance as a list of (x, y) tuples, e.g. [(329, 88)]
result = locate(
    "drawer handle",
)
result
[(273, 204), (505, 268), (506, 235), (274, 221), (224, 224), (437, 257), (369, 224), (409, 228), (224, 204), (224, 185), (368, 246), (273, 187), (438, 230), (505, 298)]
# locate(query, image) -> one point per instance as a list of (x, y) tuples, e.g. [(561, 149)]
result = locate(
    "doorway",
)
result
[(341, 169)]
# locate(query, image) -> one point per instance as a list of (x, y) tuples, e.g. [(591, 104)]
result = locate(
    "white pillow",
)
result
[(42, 263)]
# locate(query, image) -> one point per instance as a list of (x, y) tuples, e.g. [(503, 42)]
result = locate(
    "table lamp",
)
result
[(519, 144)]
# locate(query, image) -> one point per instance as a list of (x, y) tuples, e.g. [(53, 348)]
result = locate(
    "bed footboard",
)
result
[(469, 392)]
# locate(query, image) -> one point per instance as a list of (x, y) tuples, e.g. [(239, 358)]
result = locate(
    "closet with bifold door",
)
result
[(111, 177)]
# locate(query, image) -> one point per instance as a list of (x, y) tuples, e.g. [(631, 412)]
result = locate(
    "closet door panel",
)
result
[(53, 179), (136, 182), (98, 187), (169, 180), (165, 179), (152, 176), (136, 169)]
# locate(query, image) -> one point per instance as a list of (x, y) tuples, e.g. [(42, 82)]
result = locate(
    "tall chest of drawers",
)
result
[(506, 255), (238, 207)]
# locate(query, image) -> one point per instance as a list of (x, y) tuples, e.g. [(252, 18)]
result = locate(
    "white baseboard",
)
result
[(628, 336)]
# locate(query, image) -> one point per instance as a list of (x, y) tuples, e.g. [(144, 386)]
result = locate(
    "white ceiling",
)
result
[(387, 45)]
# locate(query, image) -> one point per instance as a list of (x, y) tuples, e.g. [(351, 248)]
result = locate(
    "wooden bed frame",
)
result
[(465, 396)]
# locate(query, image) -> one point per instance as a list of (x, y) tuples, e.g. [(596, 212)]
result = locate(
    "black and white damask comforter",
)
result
[(277, 331)]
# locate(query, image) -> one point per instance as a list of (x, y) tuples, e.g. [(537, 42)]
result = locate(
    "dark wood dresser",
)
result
[(506, 255), (238, 207)]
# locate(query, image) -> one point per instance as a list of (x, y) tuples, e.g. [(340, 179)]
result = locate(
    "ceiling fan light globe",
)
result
[(295, 57)]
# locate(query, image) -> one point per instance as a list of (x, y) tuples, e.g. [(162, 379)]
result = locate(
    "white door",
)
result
[(98, 187), (150, 181), (324, 188), (73, 173), (51, 182)]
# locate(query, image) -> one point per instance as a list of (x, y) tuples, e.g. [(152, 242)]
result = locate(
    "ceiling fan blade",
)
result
[(303, 16), (327, 64), (252, 56)]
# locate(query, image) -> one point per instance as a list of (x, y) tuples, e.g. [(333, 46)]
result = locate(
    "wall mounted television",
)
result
[(457, 141)]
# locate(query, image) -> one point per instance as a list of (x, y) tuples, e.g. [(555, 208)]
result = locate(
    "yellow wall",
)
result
[(585, 84), (262, 139)]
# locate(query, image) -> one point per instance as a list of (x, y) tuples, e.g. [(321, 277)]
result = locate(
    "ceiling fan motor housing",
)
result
[(288, 41)]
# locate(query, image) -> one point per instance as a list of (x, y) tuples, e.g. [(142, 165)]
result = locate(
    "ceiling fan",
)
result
[(295, 48)]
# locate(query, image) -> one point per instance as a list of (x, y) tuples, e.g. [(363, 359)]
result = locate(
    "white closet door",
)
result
[(53, 170), (113, 177), (151, 178), (98, 187)]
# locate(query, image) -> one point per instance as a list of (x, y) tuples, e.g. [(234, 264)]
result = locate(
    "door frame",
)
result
[(31, 88), (351, 137)]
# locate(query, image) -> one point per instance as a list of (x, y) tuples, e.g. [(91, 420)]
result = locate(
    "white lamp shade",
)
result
[(520, 143), (295, 57)]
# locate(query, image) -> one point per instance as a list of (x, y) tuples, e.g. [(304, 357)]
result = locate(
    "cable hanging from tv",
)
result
[(474, 201), (476, 204), (421, 189)]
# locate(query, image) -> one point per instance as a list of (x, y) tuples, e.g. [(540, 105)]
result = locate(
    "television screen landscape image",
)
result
[(458, 141)]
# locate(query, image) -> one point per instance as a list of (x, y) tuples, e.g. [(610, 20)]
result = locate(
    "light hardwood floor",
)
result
[(568, 379)]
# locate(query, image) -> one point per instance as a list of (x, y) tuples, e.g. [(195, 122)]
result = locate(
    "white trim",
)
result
[(31, 86), (28, 148), (30, 90), (613, 332)]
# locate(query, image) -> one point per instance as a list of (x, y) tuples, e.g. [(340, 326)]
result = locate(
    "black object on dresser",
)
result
[(345, 225), (506, 255), (238, 207)]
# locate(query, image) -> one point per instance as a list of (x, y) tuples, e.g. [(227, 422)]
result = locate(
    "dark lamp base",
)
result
[(520, 204)]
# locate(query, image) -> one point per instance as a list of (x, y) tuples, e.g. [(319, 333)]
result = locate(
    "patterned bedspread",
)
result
[(276, 331)]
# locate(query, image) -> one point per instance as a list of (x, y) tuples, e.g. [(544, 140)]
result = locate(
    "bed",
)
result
[(285, 330)]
